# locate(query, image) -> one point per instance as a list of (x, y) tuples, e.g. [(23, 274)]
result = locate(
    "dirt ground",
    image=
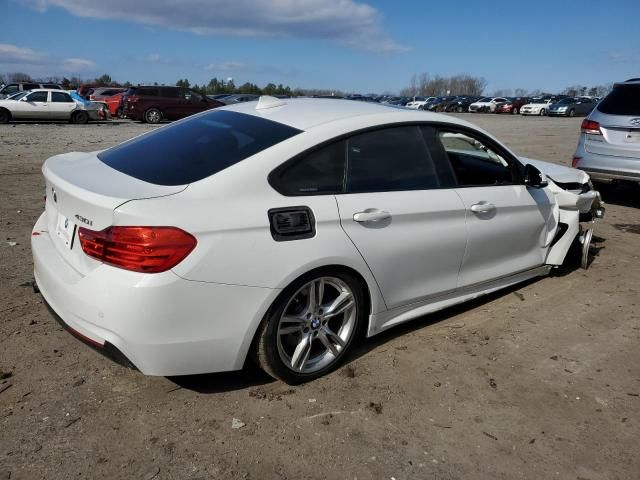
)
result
[(538, 382)]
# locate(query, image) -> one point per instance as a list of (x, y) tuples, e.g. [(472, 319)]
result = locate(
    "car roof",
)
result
[(56, 90), (307, 113)]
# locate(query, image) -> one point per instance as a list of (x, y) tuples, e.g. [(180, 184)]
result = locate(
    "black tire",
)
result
[(268, 346), (80, 118), (5, 116), (514, 110), (543, 112), (459, 109), (572, 113), (153, 115)]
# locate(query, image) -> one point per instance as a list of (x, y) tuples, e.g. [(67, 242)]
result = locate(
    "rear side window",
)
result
[(52, 86), (170, 92), (30, 86), (38, 97), (390, 159), (195, 148), (149, 92), (623, 100), (317, 172), (60, 97)]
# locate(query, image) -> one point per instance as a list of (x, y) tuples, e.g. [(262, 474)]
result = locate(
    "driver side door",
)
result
[(509, 225), (34, 106)]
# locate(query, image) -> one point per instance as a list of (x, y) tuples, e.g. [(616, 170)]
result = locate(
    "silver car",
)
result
[(609, 143)]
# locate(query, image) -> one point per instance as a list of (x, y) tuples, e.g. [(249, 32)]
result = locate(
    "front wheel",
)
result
[(543, 112), (311, 326), (572, 113), (5, 116), (515, 110)]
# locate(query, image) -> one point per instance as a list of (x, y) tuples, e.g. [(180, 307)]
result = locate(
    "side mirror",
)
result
[(534, 178)]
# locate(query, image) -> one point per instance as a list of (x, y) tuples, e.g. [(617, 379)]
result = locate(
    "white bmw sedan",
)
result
[(282, 230)]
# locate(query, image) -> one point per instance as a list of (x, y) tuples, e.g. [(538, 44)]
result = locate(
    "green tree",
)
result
[(104, 80)]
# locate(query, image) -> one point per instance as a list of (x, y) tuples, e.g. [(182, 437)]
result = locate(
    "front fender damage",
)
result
[(578, 210)]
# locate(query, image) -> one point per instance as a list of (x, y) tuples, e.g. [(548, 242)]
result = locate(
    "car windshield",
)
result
[(485, 99), (623, 100), (566, 101), (19, 95), (195, 148)]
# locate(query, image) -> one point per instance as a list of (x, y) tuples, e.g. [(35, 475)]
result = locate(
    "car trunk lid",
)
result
[(82, 191), (620, 136)]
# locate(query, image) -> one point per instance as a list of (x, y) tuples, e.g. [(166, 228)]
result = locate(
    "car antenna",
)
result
[(267, 101)]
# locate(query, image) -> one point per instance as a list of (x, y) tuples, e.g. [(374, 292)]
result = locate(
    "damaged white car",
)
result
[(281, 230), (50, 104)]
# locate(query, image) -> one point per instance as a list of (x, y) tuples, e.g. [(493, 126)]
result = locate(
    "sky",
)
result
[(349, 45)]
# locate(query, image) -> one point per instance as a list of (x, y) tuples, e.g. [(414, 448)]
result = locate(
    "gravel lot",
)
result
[(541, 381)]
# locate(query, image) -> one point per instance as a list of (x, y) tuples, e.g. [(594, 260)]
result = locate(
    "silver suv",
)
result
[(609, 144)]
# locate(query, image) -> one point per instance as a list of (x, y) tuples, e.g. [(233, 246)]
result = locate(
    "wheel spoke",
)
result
[(333, 337), (342, 303), (322, 336), (316, 292), (290, 324), (301, 353)]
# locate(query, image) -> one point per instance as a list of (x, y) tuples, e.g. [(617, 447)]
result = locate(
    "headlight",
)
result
[(562, 109)]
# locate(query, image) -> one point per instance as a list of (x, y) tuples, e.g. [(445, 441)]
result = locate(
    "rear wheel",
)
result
[(5, 116), (153, 115), (311, 326), (80, 118)]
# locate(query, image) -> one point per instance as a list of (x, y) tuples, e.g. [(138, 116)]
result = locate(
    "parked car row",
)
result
[(49, 104)]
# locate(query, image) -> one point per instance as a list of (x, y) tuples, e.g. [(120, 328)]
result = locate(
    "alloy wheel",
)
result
[(316, 325)]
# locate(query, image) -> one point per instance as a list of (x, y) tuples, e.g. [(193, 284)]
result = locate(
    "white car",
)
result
[(419, 102), (487, 104), (536, 107), (47, 104), (281, 230)]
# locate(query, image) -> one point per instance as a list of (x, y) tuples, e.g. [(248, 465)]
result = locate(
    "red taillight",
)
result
[(575, 161), (590, 127), (140, 249), (92, 97)]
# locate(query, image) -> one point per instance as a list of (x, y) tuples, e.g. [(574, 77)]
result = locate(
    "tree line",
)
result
[(420, 85)]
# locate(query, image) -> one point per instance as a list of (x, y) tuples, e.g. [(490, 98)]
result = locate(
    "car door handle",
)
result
[(371, 215), (482, 207)]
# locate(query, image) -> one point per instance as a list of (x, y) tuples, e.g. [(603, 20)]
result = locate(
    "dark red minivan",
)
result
[(152, 104)]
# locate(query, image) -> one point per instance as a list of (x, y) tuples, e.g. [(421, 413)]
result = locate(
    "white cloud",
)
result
[(226, 66), (347, 22), (154, 57), (18, 55), (77, 65)]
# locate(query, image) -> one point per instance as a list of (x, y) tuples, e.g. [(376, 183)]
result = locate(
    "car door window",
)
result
[(390, 159), (59, 97), (9, 89), (38, 97), (191, 95), (318, 172), (30, 86), (474, 161)]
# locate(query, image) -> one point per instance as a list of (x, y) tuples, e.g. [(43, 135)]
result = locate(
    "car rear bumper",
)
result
[(159, 323), (606, 168)]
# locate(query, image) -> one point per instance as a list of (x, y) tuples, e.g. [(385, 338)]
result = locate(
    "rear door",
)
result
[(409, 228), (510, 226), (61, 106)]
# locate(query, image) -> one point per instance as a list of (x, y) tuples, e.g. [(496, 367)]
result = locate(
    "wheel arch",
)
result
[(370, 293), (8, 112)]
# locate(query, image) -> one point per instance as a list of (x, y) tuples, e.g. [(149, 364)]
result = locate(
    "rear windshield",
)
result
[(195, 148), (623, 100)]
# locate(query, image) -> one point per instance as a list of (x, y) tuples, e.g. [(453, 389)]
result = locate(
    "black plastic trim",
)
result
[(280, 237), (107, 349)]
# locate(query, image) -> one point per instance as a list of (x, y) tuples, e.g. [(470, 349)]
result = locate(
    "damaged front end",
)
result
[(578, 206)]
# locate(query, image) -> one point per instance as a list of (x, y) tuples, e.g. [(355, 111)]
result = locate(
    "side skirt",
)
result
[(385, 320)]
